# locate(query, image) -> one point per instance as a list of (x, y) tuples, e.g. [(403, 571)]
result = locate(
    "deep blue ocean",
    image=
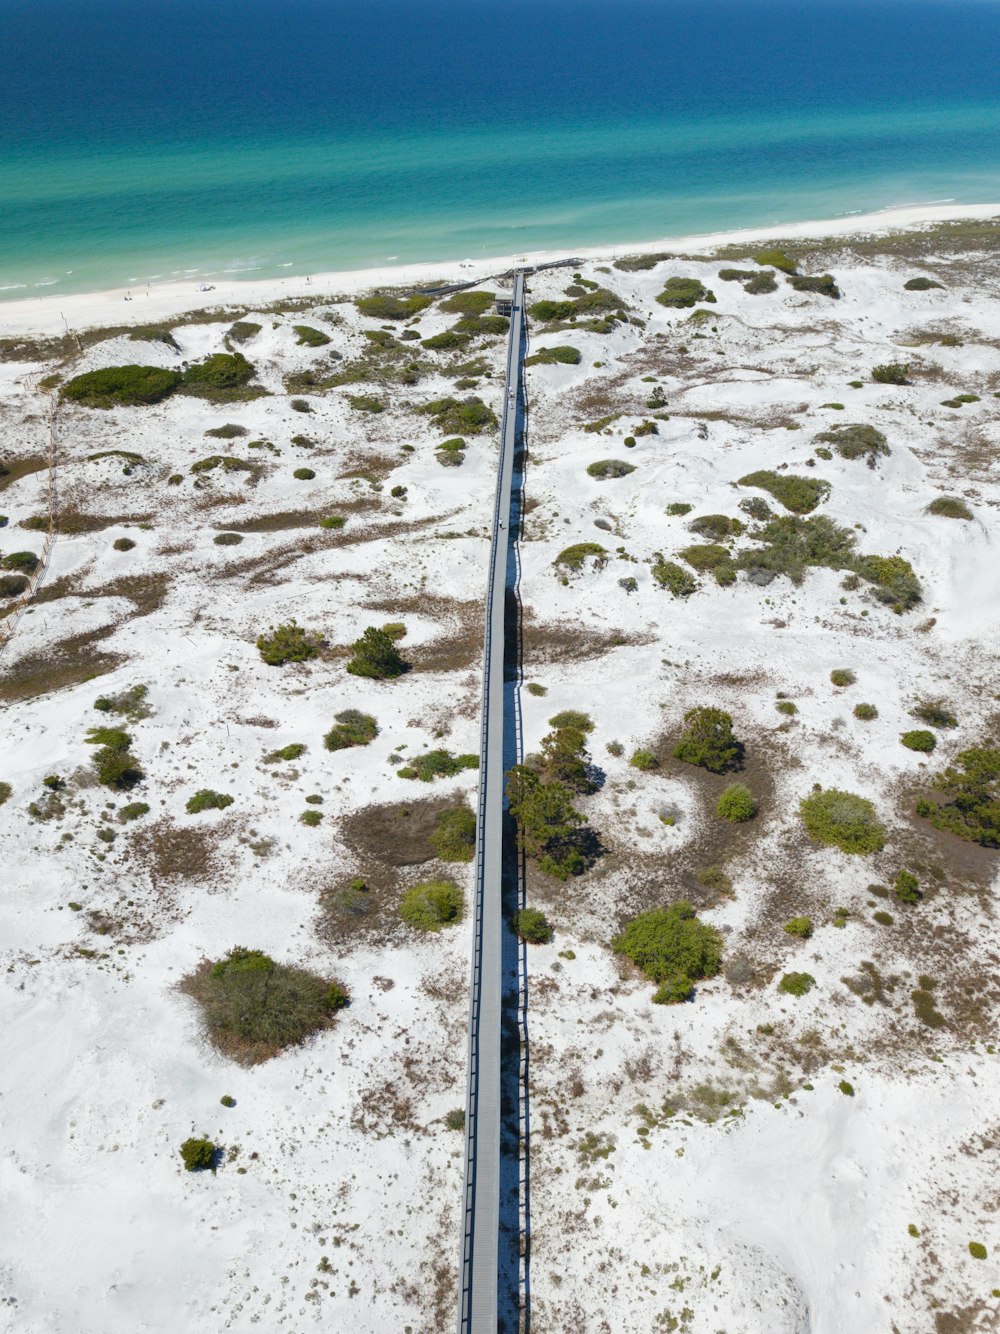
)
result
[(150, 139)]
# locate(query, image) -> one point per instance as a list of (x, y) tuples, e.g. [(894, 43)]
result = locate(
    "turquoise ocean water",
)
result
[(144, 140)]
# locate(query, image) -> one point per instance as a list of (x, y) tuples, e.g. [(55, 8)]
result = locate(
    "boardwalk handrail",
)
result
[(478, 1273)]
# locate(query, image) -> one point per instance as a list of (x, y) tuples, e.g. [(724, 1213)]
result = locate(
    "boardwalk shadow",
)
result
[(514, 1286)]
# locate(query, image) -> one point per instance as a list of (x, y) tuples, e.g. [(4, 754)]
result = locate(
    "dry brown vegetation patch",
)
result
[(69, 662), (172, 852)]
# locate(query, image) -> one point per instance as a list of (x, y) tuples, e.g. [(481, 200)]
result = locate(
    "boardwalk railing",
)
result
[(478, 1273)]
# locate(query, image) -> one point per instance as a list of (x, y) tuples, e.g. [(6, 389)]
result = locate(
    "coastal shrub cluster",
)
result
[(454, 835), (351, 728), (574, 558), (437, 764), (673, 948), (673, 577), (921, 284), (243, 330), (736, 804), (131, 703), (375, 656), (605, 468), (842, 820), (935, 713), (716, 527), (679, 293), (532, 926), (549, 827), (824, 284), (451, 416), (893, 372), (554, 356), (710, 557), (708, 740), (114, 762), (253, 1008), (289, 643), (198, 1155), (432, 905), (776, 259), (604, 309), (564, 757), (970, 786), (855, 440), (390, 306), (919, 739), (127, 386), (949, 507), (801, 495), (205, 799), (307, 336)]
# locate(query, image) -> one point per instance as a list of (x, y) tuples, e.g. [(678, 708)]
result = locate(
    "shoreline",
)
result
[(52, 315)]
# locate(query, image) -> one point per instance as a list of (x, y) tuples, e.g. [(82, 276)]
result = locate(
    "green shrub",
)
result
[(822, 283), (229, 431), (672, 947), (736, 804), (133, 811), (894, 580), (737, 275), (644, 761), (471, 416), (6, 792), (13, 585), (286, 753), (198, 1154), (971, 787), (977, 1250), (708, 740), (906, 887), (854, 440), (128, 386), (716, 527), (847, 1089), (673, 577), (289, 643), (761, 283), (219, 372), (253, 1007), (801, 495), (801, 927), (842, 820), (454, 835), (468, 303), (333, 521), (311, 818), (548, 824), (893, 372), (207, 800), (243, 330), (531, 925), (678, 507), (883, 918), (387, 306), (446, 341), (116, 766), (605, 468), (365, 403), (306, 336), (227, 462), (935, 712), (123, 544), (554, 356), (227, 1101), (438, 764), (919, 740), (533, 688), (352, 728), (866, 712), (842, 676), (921, 284), (573, 558), (679, 293), (950, 507), (786, 706), (796, 984), (300, 405), (432, 905), (574, 718), (304, 474), (776, 259), (376, 656)]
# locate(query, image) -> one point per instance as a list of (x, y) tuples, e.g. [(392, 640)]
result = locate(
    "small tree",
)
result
[(736, 804), (531, 925), (547, 822), (708, 740), (289, 643), (565, 759), (376, 656), (906, 887), (198, 1154)]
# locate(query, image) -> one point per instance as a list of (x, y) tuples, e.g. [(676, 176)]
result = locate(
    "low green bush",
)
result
[(919, 740), (333, 521), (575, 557), (307, 336), (971, 788), (285, 753), (13, 585), (437, 764), (289, 643), (855, 440), (977, 1250), (796, 984), (707, 740), (228, 431), (673, 577), (737, 275), (532, 926), (935, 712), (25, 562), (469, 416), (135, 810), (842, 820), (787, 706), (710, 557), (672, 947), (243, 330), (883, 918), (454, 835), (351, 728), (679, 293), (762, 283), (776, 259), (866, 712), (388, 306), (894, 580), (555, 356), (432, 905), (227, 539), (824, 284), (446, 341), (678, 507), (304, 474), (227, 462), (921, 284), (116, 766), (123, 544), (365, 403), (906, 887), (311, 818), (574, 718), (375, 656), (605, 468), (131, 703), (468, 303), (198, 1154), (300, 405), (736, 803), (893, 372), (846, 1088), (800, 927), (207, 800), (842, 676), (950, 507), (218, 373), (124, 386), (644, 761), (716, 527), (801, 495)]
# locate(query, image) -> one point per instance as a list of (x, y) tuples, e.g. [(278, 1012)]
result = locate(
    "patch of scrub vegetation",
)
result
[(121, 386), (24, 562), (131, 703), (949, 507), (801, 495), (289, 643), (243, 330), (892, 372), (114, 762), (334, 521), (708, 740), (454, 835), (842, 820), (736, 804), (285, 753), (673, 577), (366, 403), (710, 557), (307, 336), (842, 676), (935, 712), (796, 984), (598, 301), (549, 827), (532, 926), (437, 764), (555, 356), (563, 757), (865, 712), (375, 656), (451, 416), (227, 539), (574, 558), (921, 284), (855, 440), (351, 728), (432, 905), (228, 463), (918, 739), (199, 1154), (970, 786), (205, 799), (228, 431), (823, 284), (894, 582), (673, 948), (715, 527), (679, 293), (222, 377), (776, 259), (467, 303), (253, 1008), (605, 468), (390, 306), (800, 927)]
